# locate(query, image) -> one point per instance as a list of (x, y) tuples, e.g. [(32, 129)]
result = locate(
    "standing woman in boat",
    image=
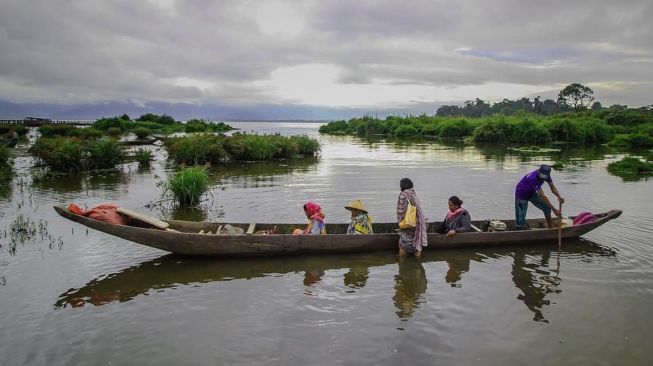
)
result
[(316, 225), (411, 239), (457, 219)]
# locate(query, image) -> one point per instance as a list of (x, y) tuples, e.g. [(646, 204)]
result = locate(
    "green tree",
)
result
[(579, 96)]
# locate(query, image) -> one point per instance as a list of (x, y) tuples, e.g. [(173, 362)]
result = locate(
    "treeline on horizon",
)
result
[(569, 119)]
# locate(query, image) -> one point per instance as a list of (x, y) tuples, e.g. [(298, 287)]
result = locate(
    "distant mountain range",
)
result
[(184, 111)]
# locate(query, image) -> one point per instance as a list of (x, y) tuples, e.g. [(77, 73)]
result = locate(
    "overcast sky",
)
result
[(375, 53)]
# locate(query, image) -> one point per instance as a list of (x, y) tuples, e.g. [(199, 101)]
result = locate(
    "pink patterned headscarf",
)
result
[(314, 211)]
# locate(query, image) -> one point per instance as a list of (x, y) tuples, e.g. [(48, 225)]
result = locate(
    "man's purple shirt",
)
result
[(529, 184)]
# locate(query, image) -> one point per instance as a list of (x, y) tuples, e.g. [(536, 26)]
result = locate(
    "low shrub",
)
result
[(51, 130), (114, 131), (63, 154), (405, 131), (20, 130), (104, 124), (188, 185), (142, 132), (452, 128), (199, 125), (632, 141), (88, 133), (196, 149)]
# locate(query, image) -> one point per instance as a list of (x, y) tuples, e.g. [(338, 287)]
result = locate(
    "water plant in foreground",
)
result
[(189, 185), (143, 156)]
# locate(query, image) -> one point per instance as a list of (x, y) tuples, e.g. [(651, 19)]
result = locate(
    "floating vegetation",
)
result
[(533, 150), (631, 168)]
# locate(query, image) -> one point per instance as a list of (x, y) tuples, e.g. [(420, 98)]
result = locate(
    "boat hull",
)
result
[(193, 243)]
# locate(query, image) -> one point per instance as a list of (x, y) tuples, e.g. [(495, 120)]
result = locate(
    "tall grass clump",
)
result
[(5, 166), (242, 146), (143, 156), (104, 153), (196, 149), (188, 185)]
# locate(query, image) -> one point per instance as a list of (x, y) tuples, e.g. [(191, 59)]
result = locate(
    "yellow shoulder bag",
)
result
[(410, 218)]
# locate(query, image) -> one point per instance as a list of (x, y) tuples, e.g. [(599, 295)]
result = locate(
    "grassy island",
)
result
[(213, 149), (622, 128)]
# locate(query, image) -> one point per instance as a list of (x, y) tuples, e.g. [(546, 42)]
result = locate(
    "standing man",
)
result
[(529, 189)]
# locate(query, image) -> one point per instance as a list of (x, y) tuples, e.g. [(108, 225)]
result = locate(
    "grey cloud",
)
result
[(122, 50)]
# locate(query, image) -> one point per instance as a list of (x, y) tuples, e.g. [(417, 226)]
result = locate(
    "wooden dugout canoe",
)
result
[(188, 241)]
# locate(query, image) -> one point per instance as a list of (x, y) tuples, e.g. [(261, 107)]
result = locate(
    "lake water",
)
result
[(72, 296)]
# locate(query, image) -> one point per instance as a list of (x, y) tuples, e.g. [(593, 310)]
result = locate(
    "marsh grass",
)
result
[(196, 149), (189, 185), (213, 149), (70, 154)]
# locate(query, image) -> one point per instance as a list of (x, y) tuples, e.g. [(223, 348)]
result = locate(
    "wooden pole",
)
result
[(560, 226)]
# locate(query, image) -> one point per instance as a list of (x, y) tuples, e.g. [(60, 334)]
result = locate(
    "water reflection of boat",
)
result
[(186, 239), (535, 280)]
